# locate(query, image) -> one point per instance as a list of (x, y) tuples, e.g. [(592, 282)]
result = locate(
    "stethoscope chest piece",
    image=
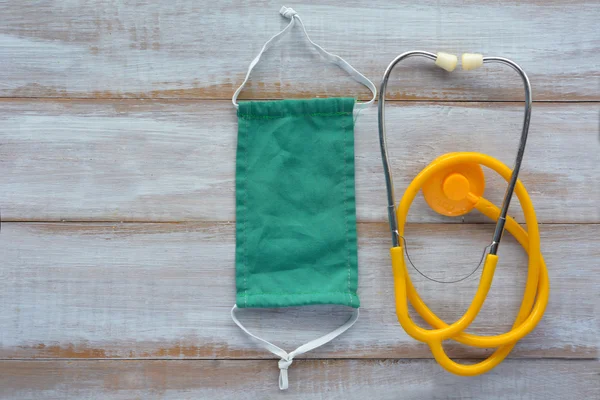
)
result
[(454, 189)]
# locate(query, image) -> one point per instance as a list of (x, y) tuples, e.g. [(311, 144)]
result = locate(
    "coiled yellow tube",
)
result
[(537, 288)]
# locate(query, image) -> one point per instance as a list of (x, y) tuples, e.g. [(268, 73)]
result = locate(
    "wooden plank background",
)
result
[(194, 49), (136, 160), (117, 156), (322, 379)]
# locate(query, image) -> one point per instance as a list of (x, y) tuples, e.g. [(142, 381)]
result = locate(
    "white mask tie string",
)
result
[(293, 16), (286, 358)]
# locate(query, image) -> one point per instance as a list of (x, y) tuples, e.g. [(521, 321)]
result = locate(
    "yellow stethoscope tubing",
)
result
[(537, 280)]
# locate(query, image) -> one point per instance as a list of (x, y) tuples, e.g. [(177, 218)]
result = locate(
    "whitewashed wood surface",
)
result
[(198, 49), (117, 156), (96, 290), (139, 160), (315, 379)]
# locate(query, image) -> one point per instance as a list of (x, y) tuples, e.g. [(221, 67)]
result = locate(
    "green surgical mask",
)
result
[(295, 204)]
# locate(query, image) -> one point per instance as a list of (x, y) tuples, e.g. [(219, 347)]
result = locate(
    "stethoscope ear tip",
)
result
[(446, 61), (469, 61)]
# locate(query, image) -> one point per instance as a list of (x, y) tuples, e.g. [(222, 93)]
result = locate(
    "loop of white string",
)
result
[(293, 16), (286, 358)]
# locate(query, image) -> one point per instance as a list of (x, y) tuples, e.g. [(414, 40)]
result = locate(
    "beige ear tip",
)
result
[(471, 61), (446, 61)]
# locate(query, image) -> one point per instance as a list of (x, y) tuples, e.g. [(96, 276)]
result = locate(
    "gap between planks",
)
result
[(202, 221), (198, 99), (192, 359)]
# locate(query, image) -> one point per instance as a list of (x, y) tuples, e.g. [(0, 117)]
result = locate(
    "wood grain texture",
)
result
[(115, 110), (175, 161), (314, 379), (100, 290), (196, 49)]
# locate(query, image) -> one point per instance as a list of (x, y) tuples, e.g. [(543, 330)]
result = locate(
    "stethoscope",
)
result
[(452, 185)]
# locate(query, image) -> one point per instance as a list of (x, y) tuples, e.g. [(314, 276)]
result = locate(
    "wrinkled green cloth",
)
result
[(295, 204)]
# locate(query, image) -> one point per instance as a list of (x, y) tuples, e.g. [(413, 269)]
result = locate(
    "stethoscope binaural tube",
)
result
[(520, 152), (537, 288)]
